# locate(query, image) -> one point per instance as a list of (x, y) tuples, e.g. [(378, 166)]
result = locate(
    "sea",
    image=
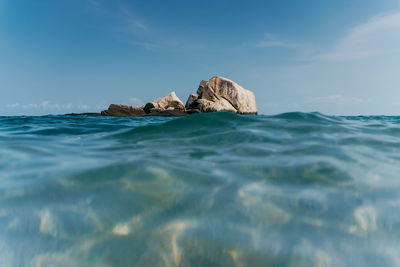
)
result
[(215, 189)]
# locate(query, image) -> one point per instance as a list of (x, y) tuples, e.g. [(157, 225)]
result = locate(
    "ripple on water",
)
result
[(294, 189)]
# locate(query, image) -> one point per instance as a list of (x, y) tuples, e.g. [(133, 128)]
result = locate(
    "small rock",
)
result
[(167, 102)]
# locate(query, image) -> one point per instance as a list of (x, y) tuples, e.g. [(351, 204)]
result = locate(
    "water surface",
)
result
[(295, 189)]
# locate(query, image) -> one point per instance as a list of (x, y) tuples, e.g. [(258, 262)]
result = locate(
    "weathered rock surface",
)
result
[(167, 102), (204, 105), (123, 111), (169, 105), (191, 99), (217, 94), (221, 94)]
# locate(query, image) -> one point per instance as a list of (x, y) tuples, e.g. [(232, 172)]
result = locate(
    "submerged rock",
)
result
[(217, 94)]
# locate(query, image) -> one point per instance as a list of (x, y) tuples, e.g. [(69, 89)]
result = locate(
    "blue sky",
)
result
[(336, 57)]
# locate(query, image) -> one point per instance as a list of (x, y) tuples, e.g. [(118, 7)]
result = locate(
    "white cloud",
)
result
[(83, 107), (30, 106), (380, 35), (136, 101), (271, 41), (45, 104), (48, 105), (16, 105)]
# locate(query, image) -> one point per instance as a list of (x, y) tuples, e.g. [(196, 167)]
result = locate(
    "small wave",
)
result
[(308, 117), (219, 189)]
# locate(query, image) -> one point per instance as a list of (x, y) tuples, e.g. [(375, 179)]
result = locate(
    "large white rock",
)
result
[(224, 95)]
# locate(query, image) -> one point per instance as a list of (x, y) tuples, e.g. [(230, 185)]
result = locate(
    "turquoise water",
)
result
[(296, 189)]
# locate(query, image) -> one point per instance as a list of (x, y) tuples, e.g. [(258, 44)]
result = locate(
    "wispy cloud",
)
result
[(16, 105), (380, 35), (145, 45), (83, 107), (47, 105), (125, 22), (134, 28), (30, 106), (121, 15), (130, 19), (272, 41)]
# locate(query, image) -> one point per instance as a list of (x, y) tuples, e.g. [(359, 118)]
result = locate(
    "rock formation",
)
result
[(221, 94), (218, 94), (168, 102), (123, 111), (169, 105)]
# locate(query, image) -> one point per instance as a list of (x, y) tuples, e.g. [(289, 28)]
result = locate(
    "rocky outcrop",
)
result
[(217, 94), (167, 102), (169, 105), (221, 94), (123, 111)]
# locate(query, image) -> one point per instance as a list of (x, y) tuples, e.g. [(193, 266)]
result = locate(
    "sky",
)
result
[(335, 57)]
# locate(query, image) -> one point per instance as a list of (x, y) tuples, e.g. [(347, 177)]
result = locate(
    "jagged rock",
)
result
[(123, 111), (167, 102), (190, 100), (224, 95)]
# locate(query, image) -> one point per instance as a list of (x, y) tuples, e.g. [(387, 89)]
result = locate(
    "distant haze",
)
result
[(336, 57)]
